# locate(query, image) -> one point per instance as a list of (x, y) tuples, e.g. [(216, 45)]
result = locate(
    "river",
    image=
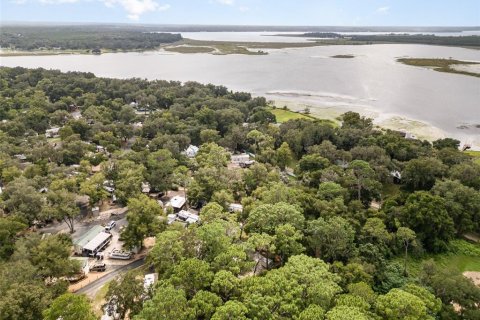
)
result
[(428, 103)]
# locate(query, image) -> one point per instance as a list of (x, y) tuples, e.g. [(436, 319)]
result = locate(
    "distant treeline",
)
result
[(466, 41), (82, 38)]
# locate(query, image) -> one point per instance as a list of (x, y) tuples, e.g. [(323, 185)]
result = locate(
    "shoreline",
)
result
[(422, 129)]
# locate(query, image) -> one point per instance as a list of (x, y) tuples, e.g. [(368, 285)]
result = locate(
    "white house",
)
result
[(191, 151), (177, 202), (240, 158), (52, 133)]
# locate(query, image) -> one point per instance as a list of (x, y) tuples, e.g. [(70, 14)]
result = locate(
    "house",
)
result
[(191, 151), (397, 176), (145, 187), (240, 158), (52, 133), (184, 217), (149, 280), (21, 157), (235, 207), (177, 203), (81, 242)]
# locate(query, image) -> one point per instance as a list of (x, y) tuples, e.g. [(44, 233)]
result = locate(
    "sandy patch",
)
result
[(422, 130), (472, 68), (474, 276)]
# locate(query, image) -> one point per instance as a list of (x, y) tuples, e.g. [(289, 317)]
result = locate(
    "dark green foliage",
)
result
[(83, 37)]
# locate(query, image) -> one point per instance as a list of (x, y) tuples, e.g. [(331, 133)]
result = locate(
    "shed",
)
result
[(177, 202)]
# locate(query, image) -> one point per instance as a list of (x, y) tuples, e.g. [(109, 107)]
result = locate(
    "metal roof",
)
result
[(88, 236), (177, 202), (97, 241)]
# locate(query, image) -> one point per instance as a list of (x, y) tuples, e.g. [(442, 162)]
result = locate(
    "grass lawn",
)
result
[(285, 115), (463, 256), (99, 300), (475, 155)]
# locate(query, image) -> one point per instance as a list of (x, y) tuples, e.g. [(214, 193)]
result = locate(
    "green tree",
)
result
[(143, 221), (283, 156), (266, 217), (288, 241), (125, 293), (129, 180), (167, 252), (231, 310), (204, 304), (161, 165), (363, 179), (346, 313), (167, 303), (426, 214), (332, 239), (62, 206), (421, 173), (399, 304), (312, 312), (462, 204), (93, 187), (192, 275), (406, 237), (9, 228), (21, 198), (69, 306), (225, 284)]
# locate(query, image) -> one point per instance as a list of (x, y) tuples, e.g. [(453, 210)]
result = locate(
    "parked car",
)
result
[(110, 225), (120, 254), (99, 267)]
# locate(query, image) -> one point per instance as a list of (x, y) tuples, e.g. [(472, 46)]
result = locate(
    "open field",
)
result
[(283, 115), (441, 65), (189, 49), (463, 256), (475, 155)]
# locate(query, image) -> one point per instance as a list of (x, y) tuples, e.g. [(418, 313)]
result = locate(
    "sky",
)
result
[(248, 12)]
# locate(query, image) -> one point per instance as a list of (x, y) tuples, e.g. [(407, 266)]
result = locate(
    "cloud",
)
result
[(382, 10), (226, 2), (135, 8), (57, 1), (244, 9)]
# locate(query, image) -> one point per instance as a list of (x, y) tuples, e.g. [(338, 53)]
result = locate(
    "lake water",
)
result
[(372, 83)]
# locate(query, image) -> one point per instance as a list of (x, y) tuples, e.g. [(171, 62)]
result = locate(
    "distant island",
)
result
[(80, 39), (345, 39), (444, 65)]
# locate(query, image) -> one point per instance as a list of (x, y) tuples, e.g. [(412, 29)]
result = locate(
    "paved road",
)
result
[(92, 288)]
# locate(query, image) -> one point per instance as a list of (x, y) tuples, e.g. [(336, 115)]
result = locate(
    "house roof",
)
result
[(177, 202), (98, 240), (88, 236)]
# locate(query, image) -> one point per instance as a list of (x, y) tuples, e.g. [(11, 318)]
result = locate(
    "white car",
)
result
[(110, 225)]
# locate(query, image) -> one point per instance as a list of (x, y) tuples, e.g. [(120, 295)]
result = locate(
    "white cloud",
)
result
[(226, 2), (135, 8), (243, 9), (57, 1), (383, 10)]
